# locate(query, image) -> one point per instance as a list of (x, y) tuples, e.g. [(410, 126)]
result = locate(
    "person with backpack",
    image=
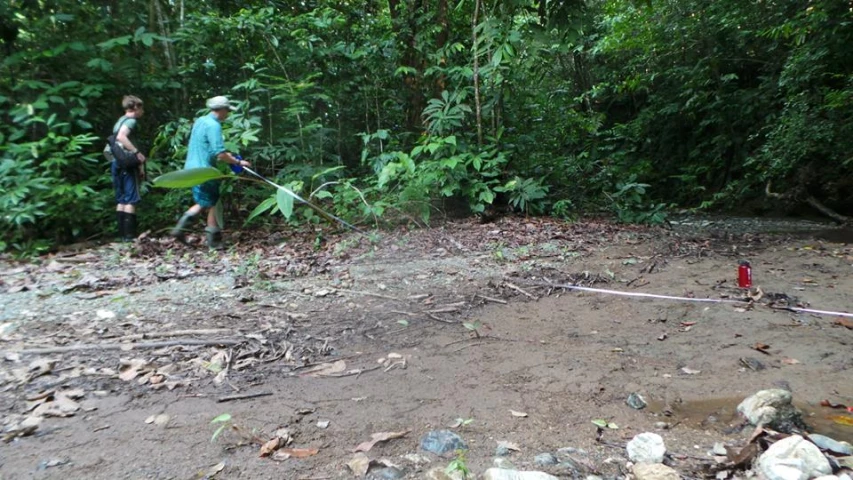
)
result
[(206, 147), (128, 170)]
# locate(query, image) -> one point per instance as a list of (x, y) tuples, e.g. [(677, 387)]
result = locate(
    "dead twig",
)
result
[(244, 396), (491, 299), (439, 319), (520, 290), (176, 333), (120, 346), (427, 314), (370, 294), (355, 372)]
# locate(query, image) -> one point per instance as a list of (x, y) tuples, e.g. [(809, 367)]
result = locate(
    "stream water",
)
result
[(721, 414)]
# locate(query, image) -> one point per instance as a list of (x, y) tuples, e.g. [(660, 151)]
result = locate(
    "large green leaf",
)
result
[(188, 178), (285, 203), (262, 208)]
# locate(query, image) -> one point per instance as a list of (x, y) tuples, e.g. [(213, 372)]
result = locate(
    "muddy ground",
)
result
[(122, 352)]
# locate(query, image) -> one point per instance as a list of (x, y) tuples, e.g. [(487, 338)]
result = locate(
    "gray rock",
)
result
[(793, 458), (772, 408), (573, 462), (501, 451), (718, 450), (504, 463), (501, 474), (636, 401), (826, 443), (571, 451), (545, 459), (654, 471), (387, 473), (646, 448), (442, 441), (662, 425)]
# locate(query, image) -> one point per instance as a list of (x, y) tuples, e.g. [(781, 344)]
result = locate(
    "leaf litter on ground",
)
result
[(377, 438)]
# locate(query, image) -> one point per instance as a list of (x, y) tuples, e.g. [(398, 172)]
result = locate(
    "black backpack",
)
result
[(124, 159)]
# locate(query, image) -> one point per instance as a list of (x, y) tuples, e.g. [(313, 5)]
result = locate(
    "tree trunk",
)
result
[(441, 42), (164, 32), (405, 26), (478, 111)]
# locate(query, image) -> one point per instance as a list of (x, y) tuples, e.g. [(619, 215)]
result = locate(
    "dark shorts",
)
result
[(206, 194), (126, 184)]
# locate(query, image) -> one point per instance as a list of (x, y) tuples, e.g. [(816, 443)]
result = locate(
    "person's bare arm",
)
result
[(125, 142), (228, 158)]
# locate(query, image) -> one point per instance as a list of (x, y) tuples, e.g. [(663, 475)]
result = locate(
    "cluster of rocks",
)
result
[(788, 454), (798, 456)]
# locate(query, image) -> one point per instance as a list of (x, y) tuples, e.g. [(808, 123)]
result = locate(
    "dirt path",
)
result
[(430, 304)]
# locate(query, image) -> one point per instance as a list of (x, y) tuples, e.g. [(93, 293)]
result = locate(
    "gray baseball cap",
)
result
[(220, 102)]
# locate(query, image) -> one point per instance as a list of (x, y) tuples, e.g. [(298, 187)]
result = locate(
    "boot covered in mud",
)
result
[(214, 237), (178, 231), (120, 224), (129, 231)]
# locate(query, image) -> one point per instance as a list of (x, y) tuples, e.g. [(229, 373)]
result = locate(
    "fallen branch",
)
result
[(442, 310), (520, 290), (428, 314), (244, 396), (815, 203), (176, 333), (120, 346), (370, 294), (355, 372), (438, 319), (490, 299)]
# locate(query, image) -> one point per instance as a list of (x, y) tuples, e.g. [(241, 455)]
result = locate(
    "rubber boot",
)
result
[(129, 227), (178, 231), (121, 225), (214, 237)]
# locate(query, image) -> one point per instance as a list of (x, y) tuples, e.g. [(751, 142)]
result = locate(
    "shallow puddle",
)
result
[(721, 414)]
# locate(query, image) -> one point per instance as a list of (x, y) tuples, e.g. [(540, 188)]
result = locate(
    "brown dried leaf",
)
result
[(359, 464), (38, 368), (270, 446), (131, 369), (212, 471), (59, 406), (379, 437), (509, 445), (744, 457), (326, 369), (843, 322), (301, 452), (279, 456)]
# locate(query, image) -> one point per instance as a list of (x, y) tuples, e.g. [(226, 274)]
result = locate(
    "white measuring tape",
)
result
[(683, 299)]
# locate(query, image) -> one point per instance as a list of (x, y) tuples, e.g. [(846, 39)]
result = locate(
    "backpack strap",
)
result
[(120, 125)]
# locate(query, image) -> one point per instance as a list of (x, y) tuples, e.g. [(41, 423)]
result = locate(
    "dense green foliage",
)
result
[(399, 109)]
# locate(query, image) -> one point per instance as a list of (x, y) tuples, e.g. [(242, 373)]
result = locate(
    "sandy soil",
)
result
[(472, 334)]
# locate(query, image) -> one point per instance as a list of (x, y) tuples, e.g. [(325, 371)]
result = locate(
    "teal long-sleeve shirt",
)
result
[(206, 142)]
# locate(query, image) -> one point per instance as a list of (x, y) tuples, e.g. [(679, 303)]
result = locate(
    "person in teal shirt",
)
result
[(206, 147)]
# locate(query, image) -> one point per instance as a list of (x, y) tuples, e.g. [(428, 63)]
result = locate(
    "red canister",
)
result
[(744, 274)]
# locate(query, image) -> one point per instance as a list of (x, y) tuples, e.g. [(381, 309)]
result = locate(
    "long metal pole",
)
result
[(293, 194)]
